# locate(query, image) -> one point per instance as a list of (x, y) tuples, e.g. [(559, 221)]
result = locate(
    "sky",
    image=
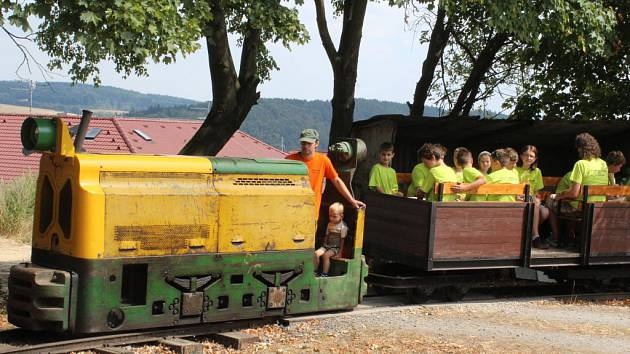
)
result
[(390, 61)]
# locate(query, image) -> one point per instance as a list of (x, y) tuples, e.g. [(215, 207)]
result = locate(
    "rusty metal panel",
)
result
[(276, 297)]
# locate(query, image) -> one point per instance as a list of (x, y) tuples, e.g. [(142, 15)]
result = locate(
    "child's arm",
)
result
[(465, 187), (344, 233)]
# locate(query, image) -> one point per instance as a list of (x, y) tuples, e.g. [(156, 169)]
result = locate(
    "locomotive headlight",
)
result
[(38, 134)]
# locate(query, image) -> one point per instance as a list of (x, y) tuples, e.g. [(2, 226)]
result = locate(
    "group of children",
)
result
[(505, 166)]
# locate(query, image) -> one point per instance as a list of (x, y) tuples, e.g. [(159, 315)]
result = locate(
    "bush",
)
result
[(17, 203)]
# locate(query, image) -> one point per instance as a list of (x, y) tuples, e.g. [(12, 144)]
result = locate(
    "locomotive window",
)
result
[(134, 284), (65, 209), (46, 205), (236, 279)]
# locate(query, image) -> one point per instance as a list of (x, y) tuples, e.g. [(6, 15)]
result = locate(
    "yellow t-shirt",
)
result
[(419, 173), (383, 177), (502, 176), (533, 177), (470, 175), (593, 172), (438, 174), (564, 184)]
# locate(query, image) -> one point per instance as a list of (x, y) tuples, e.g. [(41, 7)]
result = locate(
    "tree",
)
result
[(492, 39), (343, 60), (82, 33), (566, 86)]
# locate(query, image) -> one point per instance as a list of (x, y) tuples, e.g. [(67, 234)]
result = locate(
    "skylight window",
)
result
[(142, 134), (92, 133)]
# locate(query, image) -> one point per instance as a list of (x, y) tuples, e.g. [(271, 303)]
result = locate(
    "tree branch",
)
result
[(322, 27)]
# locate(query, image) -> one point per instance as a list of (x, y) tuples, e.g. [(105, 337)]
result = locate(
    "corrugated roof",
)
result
[(117, 135)]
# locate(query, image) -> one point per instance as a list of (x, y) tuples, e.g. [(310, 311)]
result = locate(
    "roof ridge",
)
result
[(124, 136)]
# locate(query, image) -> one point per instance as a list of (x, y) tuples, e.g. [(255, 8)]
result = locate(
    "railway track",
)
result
[(186, 339)]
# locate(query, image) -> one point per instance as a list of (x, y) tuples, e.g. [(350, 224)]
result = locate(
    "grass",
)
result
[(17, 202)]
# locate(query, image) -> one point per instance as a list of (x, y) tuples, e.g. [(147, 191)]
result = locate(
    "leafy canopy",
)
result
[(130, 33)]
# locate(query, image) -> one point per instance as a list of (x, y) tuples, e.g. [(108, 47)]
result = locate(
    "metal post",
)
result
[(82, 130)]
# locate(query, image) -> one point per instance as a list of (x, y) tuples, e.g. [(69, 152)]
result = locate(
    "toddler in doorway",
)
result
[(336, 232)]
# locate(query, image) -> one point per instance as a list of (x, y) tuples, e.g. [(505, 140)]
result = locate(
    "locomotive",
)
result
[(124, 242)]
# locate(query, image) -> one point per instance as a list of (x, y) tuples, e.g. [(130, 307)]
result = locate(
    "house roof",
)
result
[(125, 135)]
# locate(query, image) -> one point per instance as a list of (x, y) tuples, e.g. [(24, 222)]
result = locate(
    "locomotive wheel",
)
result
[(454, 293), (418, 295)]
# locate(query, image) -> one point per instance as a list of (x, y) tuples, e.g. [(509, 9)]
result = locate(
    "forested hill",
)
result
[(273, 120), (65, 97), (278, 121)]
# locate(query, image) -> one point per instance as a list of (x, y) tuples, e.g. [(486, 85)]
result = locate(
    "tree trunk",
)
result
[(439, 38), (344, 63), (232, 96), (481, 66)]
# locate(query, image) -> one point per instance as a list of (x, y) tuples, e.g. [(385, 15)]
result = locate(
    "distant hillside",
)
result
[(63, 96), (280, 120), (273, 120)]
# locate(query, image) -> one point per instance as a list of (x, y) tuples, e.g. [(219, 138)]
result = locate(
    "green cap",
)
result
[(309, 136)]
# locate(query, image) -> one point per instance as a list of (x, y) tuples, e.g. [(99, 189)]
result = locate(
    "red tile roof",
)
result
[(167, 136)]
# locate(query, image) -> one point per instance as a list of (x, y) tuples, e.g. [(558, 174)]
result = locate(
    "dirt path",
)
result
[(498, 327), (11, 252)]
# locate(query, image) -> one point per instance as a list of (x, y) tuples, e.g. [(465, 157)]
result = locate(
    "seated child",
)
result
[(484, 160), (502, 174), (433, 157), (590, 170), (457, 166), (528, 172), (419, 173), (472, 178), (615, 161), (382, 176), (336, 232)]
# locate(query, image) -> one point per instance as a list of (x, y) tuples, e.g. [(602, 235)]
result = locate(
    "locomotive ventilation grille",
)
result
[(153, 237), (253, 181)]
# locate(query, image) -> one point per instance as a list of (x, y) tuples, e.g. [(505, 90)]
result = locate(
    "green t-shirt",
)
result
[(533, 177), (438, 174), (502, 176), (564, 184), (470, 175), (384, 178), (593, 172), (419, 173)]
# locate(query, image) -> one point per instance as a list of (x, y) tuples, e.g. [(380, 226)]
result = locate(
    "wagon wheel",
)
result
[(418, 295), (454, 293)]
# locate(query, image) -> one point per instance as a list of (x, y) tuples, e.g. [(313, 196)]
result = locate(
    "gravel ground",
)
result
[(495, 327), (498, 327)]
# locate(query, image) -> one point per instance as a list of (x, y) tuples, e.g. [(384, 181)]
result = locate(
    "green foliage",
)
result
[(17, 203), (82, 33), (545, 38), (583, 87), (131, 33)]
